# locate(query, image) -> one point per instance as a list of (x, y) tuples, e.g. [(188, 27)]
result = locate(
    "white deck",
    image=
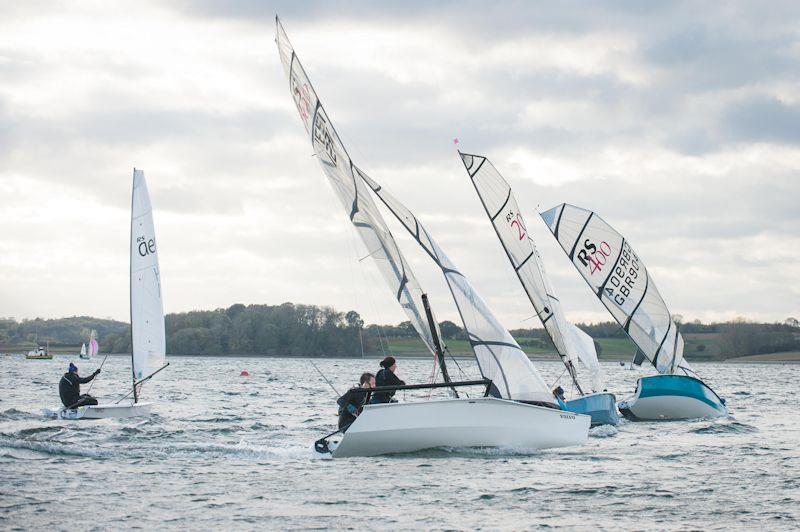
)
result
[(480, 422)]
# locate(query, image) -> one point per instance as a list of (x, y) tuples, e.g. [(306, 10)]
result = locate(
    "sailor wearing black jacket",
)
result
[(386, 377), (352, 402), (69, 388)]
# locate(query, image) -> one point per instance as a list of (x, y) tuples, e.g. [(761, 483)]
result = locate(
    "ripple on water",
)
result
[(725, 427)]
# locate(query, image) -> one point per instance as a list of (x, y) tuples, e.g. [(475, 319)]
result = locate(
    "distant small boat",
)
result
[(40, 353), (84, 354)]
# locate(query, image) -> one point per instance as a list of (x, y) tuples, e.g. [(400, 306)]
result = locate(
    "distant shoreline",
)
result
[(767, 358)]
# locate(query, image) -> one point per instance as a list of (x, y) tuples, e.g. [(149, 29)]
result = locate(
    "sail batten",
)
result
[(501, 207), (343, 176), (622, 284)]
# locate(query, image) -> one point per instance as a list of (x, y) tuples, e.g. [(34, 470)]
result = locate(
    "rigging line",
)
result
[(559, 377)]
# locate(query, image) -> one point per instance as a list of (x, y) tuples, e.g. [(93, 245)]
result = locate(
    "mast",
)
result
[(437, 343), (130, 287)]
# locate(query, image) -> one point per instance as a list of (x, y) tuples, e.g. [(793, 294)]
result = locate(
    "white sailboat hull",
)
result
[(481, 422), (100, 411)]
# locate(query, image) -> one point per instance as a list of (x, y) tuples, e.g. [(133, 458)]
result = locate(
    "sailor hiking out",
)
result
[(352, 402), (69, 388), (386, 377)]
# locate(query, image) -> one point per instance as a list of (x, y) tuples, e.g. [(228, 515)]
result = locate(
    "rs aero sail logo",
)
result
[(146, 246)]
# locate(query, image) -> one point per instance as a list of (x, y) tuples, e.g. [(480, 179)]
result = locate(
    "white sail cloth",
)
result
[(352, 193), (620, 280), (499, 356), (147, 309), (501, 207)]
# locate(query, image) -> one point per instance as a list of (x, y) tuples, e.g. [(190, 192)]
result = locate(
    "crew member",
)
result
[(69, 388), (386, 377), (352, 402), (558, 393)]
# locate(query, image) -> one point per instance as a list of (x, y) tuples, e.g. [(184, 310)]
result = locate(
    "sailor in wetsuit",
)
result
[(351, 403), (69, 388), (386, 377)]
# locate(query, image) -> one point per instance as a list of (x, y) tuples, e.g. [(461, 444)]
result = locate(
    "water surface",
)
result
[(222, 450)]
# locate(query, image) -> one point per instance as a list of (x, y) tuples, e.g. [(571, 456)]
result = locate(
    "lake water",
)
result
[(224, 451)]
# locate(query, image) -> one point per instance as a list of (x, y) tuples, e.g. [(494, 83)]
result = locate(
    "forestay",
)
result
[(501, 207), (352, 193), (499, 356), (147, 309), (620, 280)]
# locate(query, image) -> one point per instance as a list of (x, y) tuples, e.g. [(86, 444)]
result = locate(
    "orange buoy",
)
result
[(244, 373)]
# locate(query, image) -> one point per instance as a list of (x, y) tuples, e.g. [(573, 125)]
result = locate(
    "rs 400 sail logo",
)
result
[(594, 256)]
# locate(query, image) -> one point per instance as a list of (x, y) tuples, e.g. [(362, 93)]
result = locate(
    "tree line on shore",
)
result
[(309, 330)]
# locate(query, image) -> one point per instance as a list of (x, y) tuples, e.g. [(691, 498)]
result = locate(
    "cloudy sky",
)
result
[(678, 122)]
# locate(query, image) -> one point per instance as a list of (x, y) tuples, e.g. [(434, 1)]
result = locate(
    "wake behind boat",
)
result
[(617, 276), (507, 372), (148, 338)]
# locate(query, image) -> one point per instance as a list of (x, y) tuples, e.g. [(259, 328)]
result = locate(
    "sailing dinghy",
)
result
[(616, 275), (148, 337), (571, 343), (458, 421), (83, 353)]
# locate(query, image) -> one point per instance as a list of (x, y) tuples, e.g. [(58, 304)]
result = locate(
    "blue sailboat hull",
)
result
[(672, 397), (602, 407)]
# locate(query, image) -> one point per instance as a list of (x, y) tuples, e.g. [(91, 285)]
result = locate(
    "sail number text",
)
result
[(626, 273), (594, 256), (145, 246)]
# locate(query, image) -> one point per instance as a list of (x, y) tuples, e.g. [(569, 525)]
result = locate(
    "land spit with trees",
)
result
[(308, 330)]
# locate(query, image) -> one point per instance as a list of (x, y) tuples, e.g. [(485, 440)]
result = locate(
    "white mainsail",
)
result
[(147, 309), (83, 349), (499, 356), (620, 280), (503, 211), (359, 205)]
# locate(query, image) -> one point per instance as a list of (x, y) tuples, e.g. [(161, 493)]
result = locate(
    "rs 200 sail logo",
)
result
[(516, 222), (146, 246)]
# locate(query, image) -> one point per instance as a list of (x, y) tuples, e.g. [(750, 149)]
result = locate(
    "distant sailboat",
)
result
[(571, 343), (147, 315), (94, 346), (84, 354), (404, 427), (616, 275)]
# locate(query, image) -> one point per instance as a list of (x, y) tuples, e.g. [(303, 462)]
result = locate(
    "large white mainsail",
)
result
[(352, 193), (499, 356), (501, 207), (620, 280), (147, 309)]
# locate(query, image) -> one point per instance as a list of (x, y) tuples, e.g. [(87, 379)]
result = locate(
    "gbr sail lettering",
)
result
[(323, 136), (624, 277)]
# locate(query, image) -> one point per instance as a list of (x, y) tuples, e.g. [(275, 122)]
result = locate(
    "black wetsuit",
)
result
[(351, 404), (386, 377), (69, 388)]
